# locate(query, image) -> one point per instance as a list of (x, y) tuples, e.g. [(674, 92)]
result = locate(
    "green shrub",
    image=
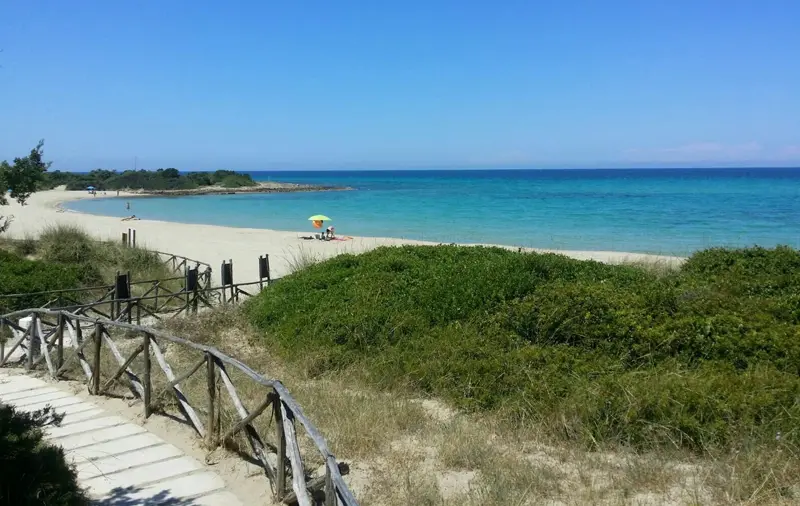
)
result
[(26, 246), (19, 275), (237, 181), (69, 244), (33, 472), (699, 357), (69, 258), (65, 244), (713, 405)]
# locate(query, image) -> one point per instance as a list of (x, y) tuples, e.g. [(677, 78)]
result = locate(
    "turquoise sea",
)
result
[(666, 211)]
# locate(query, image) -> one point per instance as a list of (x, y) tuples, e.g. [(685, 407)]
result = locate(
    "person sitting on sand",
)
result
[(130, 218), (329, 233)]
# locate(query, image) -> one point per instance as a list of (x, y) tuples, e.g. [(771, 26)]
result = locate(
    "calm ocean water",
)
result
[(669, 211)]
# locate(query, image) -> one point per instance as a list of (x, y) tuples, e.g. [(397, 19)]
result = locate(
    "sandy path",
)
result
[(213, 244)]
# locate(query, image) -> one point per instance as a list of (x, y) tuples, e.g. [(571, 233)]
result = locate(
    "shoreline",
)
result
[(260, 187), (215, 243)]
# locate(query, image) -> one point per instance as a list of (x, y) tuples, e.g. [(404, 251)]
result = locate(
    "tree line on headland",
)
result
[(161, 179)]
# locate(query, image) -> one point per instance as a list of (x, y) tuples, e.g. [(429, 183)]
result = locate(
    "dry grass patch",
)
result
[(357, 423), (300, 258)]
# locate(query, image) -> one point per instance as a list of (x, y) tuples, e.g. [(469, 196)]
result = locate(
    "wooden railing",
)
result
[(96, 298), (179, 264), (162, 304), (58, 339)]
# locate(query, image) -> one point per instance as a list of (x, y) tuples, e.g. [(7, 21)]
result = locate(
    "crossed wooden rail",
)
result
[(46, 334), (180, 263)]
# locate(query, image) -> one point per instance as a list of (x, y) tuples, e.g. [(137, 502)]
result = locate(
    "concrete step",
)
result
[(119, 462)]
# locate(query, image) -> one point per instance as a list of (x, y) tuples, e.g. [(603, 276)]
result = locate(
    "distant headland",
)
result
[(171, 182)]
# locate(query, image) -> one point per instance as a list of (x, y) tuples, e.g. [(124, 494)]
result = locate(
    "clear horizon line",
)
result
[(456, 169)]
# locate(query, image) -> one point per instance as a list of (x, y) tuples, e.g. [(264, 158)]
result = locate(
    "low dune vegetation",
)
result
[(63, 257), (702, 358)]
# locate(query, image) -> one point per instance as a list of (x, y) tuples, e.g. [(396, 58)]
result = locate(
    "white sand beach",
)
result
[(213, 244)]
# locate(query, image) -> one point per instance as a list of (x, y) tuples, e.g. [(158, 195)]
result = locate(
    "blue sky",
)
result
[(372, 84)]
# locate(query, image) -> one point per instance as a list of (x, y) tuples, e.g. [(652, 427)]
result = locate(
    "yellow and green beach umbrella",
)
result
[(317, 220), (319, 217)]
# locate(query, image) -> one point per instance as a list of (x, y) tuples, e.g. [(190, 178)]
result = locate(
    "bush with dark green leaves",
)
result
[(22, 276), (32, 471), (705, 356)]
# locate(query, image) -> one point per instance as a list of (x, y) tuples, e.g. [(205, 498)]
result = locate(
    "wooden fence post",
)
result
[(148, 385), (60, 349), (280, 485), (98, 341), (2, 341), (78, 332), (33, 342), (233, 293), (186, 288), (263, 271), (224, 273), (330, 491), (212, 394)]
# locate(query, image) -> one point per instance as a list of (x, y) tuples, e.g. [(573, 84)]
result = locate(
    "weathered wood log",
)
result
[(15, 344), (77, 342), (248, 419), (50, 338), (293, 452), (256, 444), (136, 385), (330, 491), (148, 379), (45, 349), (183, 402), (314, 487), (60, 343), (31, 343), (186, 375), (123, 368), (13, 325), (211, 384), (319, 441), (98, 340), (148, 312), (280, 481)]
